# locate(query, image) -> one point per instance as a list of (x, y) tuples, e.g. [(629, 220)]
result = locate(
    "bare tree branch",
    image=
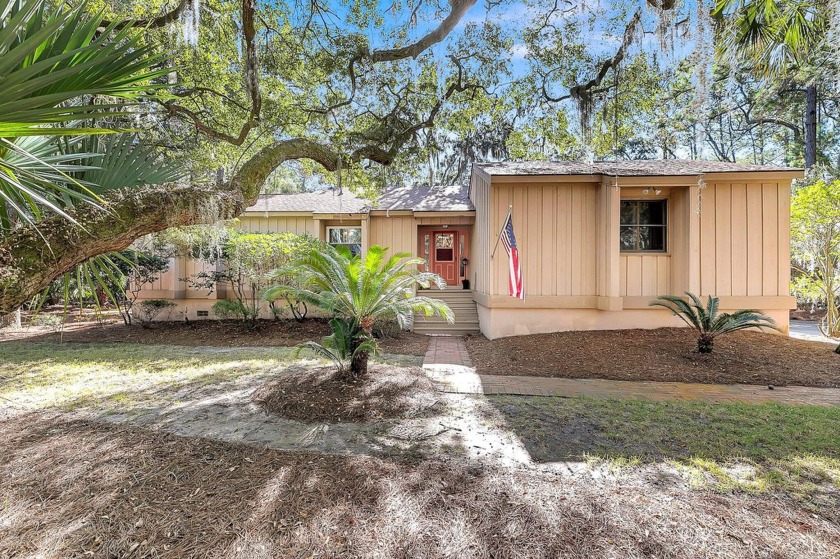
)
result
[(459, 8), (584, 90), (252, 85)]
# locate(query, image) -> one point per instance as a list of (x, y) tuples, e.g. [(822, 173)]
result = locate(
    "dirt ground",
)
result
[(666, 354), (319, 396), (79, 489), (285, 333)]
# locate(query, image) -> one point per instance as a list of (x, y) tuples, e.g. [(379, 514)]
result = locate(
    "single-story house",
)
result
[(597, 242)]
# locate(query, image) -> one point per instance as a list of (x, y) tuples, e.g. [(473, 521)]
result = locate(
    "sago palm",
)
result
[(706, 320), (358, 290)]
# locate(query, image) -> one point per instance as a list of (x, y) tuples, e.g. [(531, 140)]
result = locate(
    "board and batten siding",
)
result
[(645, 275), (482, 237), (556, 231), (298, 225), (396, 232), (745, 239)]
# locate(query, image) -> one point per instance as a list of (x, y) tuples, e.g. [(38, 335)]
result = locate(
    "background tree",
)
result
[(785, 42), (815, 246), (245, 266)]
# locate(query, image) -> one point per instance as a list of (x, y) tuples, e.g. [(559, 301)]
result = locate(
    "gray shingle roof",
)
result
[(322, 201), (653, 167), (453, 198)]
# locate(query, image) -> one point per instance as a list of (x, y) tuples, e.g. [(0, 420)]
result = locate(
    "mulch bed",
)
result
[(665, 354), (80, 489), (269, 333), (321, 396)]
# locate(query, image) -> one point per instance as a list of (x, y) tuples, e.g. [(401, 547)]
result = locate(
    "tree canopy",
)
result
[(246, 95)]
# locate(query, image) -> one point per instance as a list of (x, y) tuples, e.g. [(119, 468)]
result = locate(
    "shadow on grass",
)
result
[(731, 446), (77, 488), (68, 376)]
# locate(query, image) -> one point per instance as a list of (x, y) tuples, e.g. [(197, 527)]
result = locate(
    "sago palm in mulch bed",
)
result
[(358, 291), (706, 320)]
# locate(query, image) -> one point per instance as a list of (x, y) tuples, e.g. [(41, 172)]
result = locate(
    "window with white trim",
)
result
[(644, 225), (350, 237)]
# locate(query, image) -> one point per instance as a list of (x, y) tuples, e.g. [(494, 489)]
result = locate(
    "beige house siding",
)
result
[(483, 237), (646, 275), (555, 226), (272, 224), (397, 232), (745, 239), (728, 239)]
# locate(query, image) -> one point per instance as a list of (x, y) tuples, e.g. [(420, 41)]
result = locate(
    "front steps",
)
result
[(461, 303)]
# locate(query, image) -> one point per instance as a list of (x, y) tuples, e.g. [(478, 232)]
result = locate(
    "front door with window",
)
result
[(444, 256)]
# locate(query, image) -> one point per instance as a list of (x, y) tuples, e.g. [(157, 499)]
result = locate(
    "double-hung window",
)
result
[(350, 237), (644, 225)]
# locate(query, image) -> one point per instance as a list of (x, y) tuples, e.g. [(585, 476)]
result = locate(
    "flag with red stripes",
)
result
[(514, 271)]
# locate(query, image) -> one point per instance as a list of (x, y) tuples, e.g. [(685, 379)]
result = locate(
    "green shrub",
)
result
[(54, 322), (148, 310), (386, 327), (229, 309)]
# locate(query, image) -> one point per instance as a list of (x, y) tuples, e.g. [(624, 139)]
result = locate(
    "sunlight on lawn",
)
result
[(43, 375), (722, 447)]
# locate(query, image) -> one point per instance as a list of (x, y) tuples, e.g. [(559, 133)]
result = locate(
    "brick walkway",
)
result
[(447, 350), (641, 390), (448, 363)]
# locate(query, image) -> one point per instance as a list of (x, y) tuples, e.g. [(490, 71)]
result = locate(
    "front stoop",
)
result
[(462, 304)]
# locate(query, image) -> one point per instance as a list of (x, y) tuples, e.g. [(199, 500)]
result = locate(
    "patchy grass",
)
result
[(90, 490), (68, 376), (724, 447)]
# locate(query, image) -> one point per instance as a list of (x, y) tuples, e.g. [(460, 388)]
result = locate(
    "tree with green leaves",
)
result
[(708, 322), (248, 264), (359, 290), (815, 246), (252, 86), (784, 42)]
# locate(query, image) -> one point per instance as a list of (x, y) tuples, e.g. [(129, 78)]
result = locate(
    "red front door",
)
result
[(444, 255)]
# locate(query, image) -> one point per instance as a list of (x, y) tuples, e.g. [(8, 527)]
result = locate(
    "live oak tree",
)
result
[(344, 88)]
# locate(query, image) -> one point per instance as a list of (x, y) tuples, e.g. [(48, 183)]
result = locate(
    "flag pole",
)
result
[(499, 236)]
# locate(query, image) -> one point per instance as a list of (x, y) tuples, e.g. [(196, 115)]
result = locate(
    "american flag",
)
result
[(515, 271)]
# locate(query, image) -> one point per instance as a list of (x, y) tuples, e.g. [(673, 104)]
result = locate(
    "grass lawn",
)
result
[(756, 448)]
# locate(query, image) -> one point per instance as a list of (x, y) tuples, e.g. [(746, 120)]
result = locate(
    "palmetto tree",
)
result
[(61, 75), (706, 320), (63, 79), (780, 39), (360, 289)]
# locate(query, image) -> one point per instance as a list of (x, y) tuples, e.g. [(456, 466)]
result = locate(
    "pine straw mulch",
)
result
[(80, 489), (665, 354), (220, 333), (321, 396)]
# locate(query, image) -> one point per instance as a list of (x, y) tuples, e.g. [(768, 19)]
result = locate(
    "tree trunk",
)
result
[(30, 259), (705, 343), (810, 126), (359, 364)]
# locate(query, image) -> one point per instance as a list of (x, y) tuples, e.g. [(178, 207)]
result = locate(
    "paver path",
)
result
[(448, 364), (447, 350)]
